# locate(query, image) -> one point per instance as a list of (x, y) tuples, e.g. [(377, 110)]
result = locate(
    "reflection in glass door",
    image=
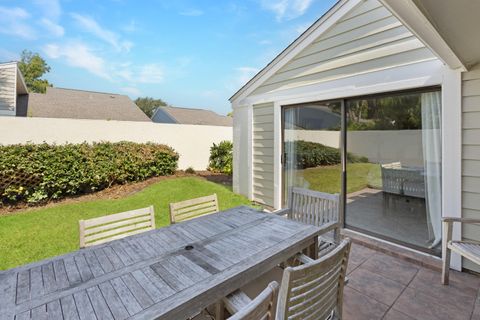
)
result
[(312, 153), (394, 188), (393, 162)]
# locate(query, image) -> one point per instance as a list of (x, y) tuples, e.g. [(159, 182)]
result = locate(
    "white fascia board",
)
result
[(412, 18), (422, 74), (316, 30)]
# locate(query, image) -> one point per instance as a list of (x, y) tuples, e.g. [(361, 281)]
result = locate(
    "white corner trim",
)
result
[(317, 29), (277, 152), (250, 152), (411, 17), (452, 153)]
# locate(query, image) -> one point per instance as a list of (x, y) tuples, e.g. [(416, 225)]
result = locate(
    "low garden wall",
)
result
[(191, 142)]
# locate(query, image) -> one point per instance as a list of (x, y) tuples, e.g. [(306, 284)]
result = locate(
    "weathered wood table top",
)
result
[(167, 273)]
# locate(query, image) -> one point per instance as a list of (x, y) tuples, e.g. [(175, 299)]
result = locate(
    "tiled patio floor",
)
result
[(385, 287)]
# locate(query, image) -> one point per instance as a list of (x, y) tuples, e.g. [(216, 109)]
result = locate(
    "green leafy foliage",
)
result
[(148, 104), (33, 67), (40, 172), (190, 170), (311, 154), (221, 157)]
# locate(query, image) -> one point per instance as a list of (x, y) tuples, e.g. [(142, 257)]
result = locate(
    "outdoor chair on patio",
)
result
[(312, 290), (116, 226), (319, 209), (468, 249), (193, 208)]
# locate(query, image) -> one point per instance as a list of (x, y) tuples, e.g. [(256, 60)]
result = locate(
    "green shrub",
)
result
[(221, 157), (312, 154), (190, 170), (40, 172)]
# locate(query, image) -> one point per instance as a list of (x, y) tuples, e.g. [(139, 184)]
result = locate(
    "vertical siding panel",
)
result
[(471, 156), (263, 138), (7, 88)]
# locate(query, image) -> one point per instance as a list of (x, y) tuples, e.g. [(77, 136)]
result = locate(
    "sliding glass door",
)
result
[(392, 147), (312, 150)]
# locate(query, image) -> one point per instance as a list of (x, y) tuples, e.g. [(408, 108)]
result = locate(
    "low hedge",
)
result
[(40, 172), (312, 154)]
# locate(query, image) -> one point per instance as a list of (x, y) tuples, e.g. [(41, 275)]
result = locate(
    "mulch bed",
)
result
[(119, 191)]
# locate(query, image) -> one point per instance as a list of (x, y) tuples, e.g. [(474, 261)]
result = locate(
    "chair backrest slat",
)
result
[(192, 208), (263, 307), (315, 290), (116, 226), (314, 207)]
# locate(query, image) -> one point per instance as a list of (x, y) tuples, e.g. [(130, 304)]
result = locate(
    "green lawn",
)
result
[(42, 233), (359, 176)]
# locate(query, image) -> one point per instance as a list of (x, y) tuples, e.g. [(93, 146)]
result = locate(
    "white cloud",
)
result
[(13, 22), (91, 26), (7, 55), (151, 73), (79, 55), (192, 13), (240, 77), (131, 91), (53, 28), (130, 27), (286, 9), (50, 8)]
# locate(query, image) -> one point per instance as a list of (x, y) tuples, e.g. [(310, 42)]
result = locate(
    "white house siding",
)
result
[(7, 88), (262, 153), (367, 39), (471, 156)]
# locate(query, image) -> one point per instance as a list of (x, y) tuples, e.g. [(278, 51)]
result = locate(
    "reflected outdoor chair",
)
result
[(319, 209), (116, 226), (193, 208)]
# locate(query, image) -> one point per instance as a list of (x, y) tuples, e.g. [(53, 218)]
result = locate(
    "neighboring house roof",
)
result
[(78, 104), (190, 116)]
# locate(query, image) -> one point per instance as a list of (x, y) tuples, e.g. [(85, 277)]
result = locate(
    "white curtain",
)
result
[(432, 157)]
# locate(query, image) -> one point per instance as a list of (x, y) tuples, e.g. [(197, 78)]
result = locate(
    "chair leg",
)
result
[(220, 311), (446, 266)]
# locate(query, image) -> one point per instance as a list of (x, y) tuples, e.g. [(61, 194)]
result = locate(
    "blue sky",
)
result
[(188, 53)]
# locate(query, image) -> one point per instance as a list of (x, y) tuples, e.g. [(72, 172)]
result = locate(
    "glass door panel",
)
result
[(311, 147), (394, 168)]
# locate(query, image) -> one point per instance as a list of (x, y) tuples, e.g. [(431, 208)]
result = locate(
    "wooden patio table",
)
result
[(168, 273)]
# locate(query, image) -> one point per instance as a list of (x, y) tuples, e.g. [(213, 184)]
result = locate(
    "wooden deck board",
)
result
[(154, 274)]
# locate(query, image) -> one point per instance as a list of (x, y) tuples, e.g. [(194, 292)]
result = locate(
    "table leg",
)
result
[(313, 249)]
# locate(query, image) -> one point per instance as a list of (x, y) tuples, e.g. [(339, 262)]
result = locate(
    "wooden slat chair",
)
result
[(241, 307), (319, 209), (314, 290), (467, 249), (189, 209), (116, 226)]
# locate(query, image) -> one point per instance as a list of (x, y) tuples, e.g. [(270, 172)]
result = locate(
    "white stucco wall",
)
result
[(192, 142)]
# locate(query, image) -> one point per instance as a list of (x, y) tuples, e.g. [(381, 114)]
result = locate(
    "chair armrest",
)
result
[(461, 220), (282, 212), (303, 258), (235, 301)]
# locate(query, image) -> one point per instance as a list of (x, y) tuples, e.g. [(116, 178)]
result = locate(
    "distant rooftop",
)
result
[(190, 116), (79, 104)]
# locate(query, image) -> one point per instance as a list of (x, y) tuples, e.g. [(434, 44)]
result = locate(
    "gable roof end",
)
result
[(325, 22)]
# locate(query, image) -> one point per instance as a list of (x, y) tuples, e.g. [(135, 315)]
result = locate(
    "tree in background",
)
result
[(148, 105), (33, 67)]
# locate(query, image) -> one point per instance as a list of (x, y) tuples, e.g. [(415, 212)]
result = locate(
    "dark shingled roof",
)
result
[(190, 116), (78, 104)]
